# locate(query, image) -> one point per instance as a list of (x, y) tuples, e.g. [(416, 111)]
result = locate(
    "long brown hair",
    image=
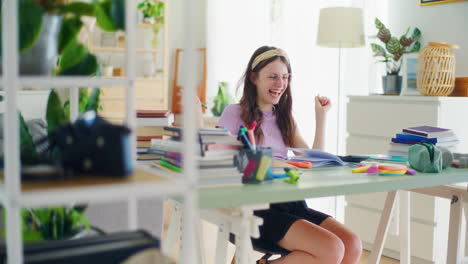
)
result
[(249, 109)]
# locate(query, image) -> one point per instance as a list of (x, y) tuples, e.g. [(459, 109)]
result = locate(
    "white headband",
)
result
[(268, 54)]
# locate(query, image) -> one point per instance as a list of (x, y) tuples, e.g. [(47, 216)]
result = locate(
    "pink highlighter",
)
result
[(250, 133)]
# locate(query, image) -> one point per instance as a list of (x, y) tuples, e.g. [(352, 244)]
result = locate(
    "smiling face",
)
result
[(271, 82)]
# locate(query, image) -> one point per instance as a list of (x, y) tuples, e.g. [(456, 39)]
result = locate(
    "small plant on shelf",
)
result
[(55, 223), (222, 99), (395, 47), (153, 13)]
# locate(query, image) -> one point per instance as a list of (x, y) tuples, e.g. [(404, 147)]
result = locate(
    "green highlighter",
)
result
[(293, 176), (170, 166)]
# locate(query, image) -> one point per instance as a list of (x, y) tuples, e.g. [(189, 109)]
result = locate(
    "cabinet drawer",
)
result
[(381, 119), (422, 206), (365, 145)]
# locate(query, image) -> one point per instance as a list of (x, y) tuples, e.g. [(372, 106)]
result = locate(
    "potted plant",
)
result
[(55, 223), (48, 34), (153, 13), (392, 53), (222, 99)]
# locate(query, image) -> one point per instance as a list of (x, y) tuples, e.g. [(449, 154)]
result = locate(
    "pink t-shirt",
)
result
[(230, 119)]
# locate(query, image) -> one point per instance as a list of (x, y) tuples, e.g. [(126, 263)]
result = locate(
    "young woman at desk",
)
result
[(301, 234)]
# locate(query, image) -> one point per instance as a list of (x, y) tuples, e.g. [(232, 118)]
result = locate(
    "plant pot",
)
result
[(392, 84), (41, 58)]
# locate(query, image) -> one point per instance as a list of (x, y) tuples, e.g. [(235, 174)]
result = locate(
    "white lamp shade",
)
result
[(341, 27)]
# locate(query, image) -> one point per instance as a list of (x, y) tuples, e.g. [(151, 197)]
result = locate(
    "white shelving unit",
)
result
[(152, 90), (14, 195)]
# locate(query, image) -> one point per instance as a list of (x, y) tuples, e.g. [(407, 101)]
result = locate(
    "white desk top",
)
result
[(322, 182)]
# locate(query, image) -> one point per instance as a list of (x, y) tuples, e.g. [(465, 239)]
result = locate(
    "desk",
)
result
[(322, 182)]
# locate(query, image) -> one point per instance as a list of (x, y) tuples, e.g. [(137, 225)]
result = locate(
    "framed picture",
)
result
[(409, 72), (435, 2)]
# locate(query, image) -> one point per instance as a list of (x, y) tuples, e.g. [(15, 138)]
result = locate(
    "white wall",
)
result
[(441, 23), (235, 30)]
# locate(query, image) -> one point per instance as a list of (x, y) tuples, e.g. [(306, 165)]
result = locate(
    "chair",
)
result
[(259, 248), (238, 221)]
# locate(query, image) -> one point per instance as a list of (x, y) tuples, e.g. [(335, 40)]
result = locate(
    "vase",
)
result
[(392, 84), (41, 58), (436, 69)]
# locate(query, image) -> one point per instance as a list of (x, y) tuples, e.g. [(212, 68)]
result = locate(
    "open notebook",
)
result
[(319, 158)]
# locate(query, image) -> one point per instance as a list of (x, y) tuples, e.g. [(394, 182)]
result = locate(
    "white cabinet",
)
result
[(371, 122)]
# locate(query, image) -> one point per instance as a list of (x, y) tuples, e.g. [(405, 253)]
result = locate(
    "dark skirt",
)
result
[(277, 220)]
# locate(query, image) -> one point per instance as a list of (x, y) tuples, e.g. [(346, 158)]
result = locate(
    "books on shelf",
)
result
[(441, 137), (152, 113), (428, 131), (154, 121), (216, 157), (149, 131), (412, 142)]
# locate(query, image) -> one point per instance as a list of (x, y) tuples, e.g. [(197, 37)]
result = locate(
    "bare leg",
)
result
[(352, 243), (310, 243)]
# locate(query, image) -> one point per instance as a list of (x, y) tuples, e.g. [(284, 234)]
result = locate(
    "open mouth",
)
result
[(275, 92)]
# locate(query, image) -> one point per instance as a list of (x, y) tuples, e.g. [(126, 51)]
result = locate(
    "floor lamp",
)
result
[(340, 27)]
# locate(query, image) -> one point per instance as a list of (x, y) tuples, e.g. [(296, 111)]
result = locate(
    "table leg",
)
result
[(382, 229), (222, 242), (173, 231), (405, 227), (454, 236), (465, 213)]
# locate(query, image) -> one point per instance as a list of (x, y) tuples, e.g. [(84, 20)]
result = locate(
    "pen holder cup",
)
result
[(255, 165)]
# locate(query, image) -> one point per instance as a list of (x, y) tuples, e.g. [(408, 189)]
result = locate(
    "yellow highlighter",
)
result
[(360, 169), (263, 167)]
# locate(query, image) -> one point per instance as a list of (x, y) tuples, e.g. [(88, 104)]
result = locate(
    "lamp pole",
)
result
[(338, 103)]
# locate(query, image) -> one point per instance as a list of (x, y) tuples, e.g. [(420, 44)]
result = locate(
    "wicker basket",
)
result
[(436, 69)]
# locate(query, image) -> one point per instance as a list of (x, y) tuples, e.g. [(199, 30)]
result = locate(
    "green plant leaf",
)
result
[(79, 9), (378, 24), (378, 50), (117, 13), (384, 35), (55, 114), (93, 103), (69, 32), (416, 47), (221, 100), (30, 23), (416, 34), (83, 100), (87, 66), (72, 55), (80, 207), (393, 45), (28, 149), (102, 10)]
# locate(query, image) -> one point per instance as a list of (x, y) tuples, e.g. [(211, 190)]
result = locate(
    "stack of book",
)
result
[(441, 137), (216, 149), (150, 124)]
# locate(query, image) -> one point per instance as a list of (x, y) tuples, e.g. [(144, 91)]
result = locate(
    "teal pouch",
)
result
[(425, 157)]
